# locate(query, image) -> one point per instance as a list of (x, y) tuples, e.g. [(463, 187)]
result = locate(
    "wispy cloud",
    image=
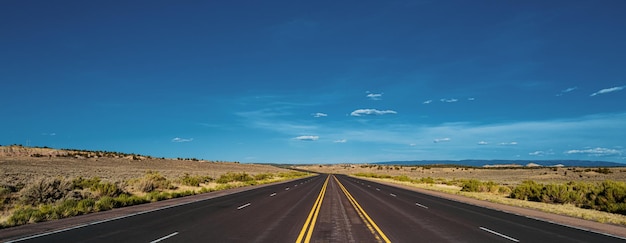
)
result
[(49, 134), (449, 100), (181, 140), (340, 141), (427, 102), (374, 96), (541, 153), (319, 114), (483, 143), (597, 152), (471, 99), (363, 112), (565, 91), (609, 90), (307, 138), (508, 143), (439, 140)]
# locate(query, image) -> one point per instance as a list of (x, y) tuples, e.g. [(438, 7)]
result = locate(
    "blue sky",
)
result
[(317, 81)]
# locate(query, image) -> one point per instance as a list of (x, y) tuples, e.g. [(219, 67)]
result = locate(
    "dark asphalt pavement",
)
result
[(363, 211)]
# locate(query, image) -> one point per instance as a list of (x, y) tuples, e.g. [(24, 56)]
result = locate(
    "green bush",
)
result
[(86, 205), (233, 177), (105, 203), (82, 183), (609, 196), (124, 200), (263, 176), (194, 180), (22, 215)]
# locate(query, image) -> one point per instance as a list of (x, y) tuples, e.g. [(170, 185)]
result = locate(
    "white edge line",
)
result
[(243, 206), (164, 237), (498, 234), (273, 194), (421, 205)]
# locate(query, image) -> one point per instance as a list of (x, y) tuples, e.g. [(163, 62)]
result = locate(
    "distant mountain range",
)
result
[(481, 163)]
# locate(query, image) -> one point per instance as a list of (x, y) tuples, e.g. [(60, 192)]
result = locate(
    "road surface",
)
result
[(324, 208)]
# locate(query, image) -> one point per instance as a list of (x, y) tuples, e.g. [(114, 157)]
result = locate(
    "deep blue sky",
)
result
[(317, 81)]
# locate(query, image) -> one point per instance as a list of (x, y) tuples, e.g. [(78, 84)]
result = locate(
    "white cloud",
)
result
[(596, 152), (471, 99), (49, 134), (483, 143), (508, 143), (374, 96), (449, 100), (609, 90), (541, 153), (439, 140), (566, 91), (412, 144), (340, 141), (319, 114), (362, 112), (181, 140), (307, 138), (427, 102)]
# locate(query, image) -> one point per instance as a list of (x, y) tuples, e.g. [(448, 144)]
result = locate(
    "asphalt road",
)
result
[(324, 209)]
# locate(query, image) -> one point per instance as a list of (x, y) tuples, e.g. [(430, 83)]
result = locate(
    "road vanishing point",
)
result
[(322, 208)]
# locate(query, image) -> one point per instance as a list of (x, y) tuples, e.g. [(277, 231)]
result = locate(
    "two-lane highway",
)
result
[(324, 208)]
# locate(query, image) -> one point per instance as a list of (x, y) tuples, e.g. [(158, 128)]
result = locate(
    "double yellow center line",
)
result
[(380, 236), (309, 224)]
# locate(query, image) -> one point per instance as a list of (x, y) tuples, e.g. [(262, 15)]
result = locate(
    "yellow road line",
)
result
[(310, 220), (366, 218)]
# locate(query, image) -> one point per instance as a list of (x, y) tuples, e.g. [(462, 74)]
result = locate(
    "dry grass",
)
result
[(25, 170), (19, 171), (503, 176)]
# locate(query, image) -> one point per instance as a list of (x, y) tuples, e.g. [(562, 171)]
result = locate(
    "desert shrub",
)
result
[(106, 189), (45, 191), (124, 200), (609, 196), (86, 205), (403, 178), (157, 196), (23, 215), (194, 180), (263, 176), (105, 203), (427, 180), (152, 181), (528, 190), (232, 177), (373, 175), (83, 183)]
